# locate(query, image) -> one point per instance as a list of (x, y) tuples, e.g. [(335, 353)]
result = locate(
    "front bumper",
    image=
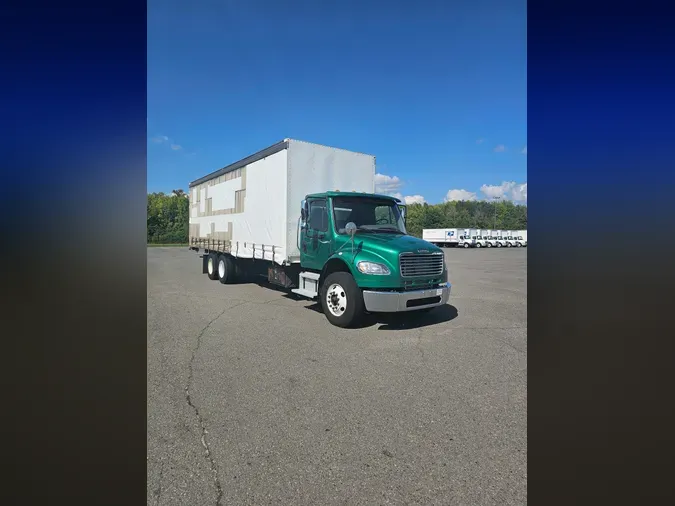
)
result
[(392, 302)]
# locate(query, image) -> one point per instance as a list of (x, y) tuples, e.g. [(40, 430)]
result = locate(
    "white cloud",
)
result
[(508, 190), (387, 184), (524, 151), (390, 185), (414, 199), (163, 139), (500, 148), (480, 141), (460, 195)]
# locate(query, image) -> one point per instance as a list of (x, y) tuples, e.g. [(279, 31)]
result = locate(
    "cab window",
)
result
[(318, 215)]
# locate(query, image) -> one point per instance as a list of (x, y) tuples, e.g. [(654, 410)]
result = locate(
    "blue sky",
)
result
[(436, 93)]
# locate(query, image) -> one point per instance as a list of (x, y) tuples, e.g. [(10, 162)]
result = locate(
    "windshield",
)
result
[(369, 214)]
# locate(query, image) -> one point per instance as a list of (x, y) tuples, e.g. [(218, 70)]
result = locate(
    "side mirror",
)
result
[(350, 229), (404, 215)]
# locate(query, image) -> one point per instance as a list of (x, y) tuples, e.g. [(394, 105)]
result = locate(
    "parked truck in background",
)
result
[(500, 241), (465, 240), (482, 239), (492, 239), (304, 217), (510, 239), (442, 237), (520, 238)]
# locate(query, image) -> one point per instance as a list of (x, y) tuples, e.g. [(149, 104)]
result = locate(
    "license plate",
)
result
[(439, 291)]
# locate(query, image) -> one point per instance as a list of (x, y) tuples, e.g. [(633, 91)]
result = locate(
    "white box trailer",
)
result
[(251, 208), (444, 237)]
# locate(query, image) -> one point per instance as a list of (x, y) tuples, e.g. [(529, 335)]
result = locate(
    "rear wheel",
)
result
[(225, 269), (342, 300), (211, 269)]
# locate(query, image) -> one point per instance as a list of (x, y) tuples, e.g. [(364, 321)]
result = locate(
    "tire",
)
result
[(478, 245), (211, 263), (466, 244), (518, 245), (499, 245), (342, 300), (508, 244), (489, 245), (225, 270)]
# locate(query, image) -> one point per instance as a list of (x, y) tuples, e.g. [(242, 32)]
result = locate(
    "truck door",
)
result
[(316, 241)]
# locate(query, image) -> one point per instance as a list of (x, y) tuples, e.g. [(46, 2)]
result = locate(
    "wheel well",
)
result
[(333, 265)]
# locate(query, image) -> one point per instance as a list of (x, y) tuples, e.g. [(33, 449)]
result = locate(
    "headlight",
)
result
[(373, 268)]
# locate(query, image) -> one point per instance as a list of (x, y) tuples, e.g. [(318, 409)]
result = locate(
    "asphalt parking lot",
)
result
[(254, 398)]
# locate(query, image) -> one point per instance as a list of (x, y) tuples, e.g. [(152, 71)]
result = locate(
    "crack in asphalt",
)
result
[(158, 492), (419, 344), (202, 424)]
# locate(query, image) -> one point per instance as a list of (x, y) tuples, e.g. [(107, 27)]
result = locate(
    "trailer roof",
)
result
[(263, 153)]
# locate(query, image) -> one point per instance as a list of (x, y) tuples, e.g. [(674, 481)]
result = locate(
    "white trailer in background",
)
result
[(451, 237), (443, 237)]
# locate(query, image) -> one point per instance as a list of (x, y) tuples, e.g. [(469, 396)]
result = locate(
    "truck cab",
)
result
[(465, 239), (483, 239), (356, 257)]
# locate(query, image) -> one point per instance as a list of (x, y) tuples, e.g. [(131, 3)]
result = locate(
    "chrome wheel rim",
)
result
[(336, 300), (221, 268), (210, 265)]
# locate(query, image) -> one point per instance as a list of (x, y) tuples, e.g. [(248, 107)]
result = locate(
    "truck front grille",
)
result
[(421, 264)]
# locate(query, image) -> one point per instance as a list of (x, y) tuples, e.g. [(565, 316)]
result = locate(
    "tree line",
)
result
[(168, 216)]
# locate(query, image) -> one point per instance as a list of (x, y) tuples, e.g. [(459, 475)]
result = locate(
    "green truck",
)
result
[(348, 249)]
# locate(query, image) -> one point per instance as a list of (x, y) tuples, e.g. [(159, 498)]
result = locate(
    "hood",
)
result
[(393, 243)]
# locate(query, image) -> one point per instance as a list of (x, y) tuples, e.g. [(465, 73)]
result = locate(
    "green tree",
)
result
[(168, 218)]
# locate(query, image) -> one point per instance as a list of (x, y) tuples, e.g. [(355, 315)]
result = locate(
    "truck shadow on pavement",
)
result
[(388, 321), (403, 321)]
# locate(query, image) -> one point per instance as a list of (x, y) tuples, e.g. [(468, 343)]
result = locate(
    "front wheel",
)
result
[(342, 300), (478, 245), (499, 245), (508, 244), (466, 244), (489, 245)]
